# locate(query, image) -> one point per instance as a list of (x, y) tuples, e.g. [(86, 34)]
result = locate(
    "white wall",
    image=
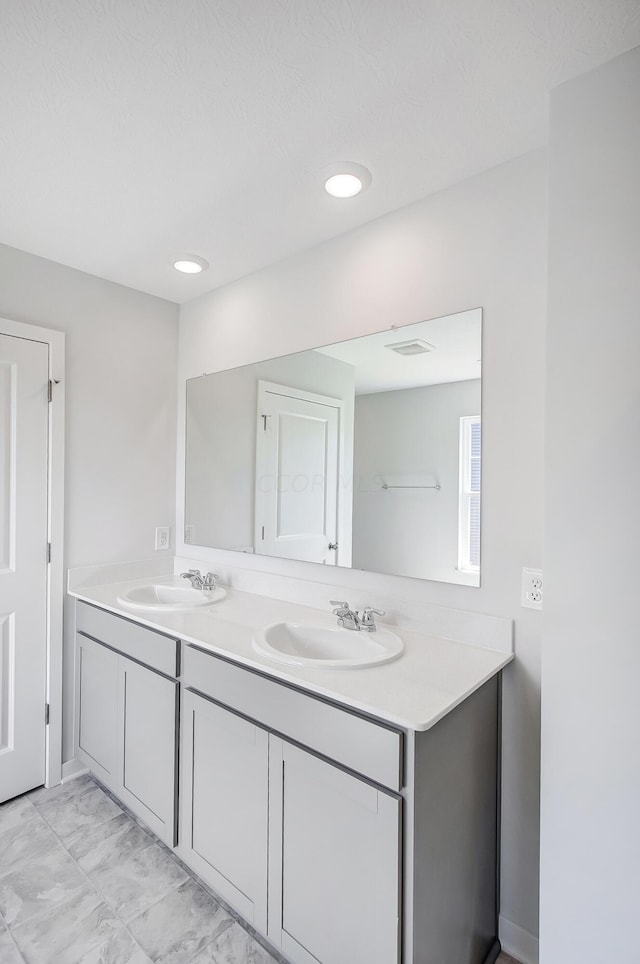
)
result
[(482, 244), (221, 442), (411, 432), (121, 348), (590, 858)]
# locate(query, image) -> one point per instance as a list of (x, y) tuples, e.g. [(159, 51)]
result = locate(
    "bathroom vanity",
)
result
[(347, 815)]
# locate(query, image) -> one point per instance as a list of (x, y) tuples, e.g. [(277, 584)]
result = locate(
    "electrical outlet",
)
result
[(162, 537), (188, 535), (532, 588)]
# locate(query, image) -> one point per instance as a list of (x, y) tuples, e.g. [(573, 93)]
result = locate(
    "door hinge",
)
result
[(46, 714), (50, 391), (264, 422), (48, 552), (263, 533)]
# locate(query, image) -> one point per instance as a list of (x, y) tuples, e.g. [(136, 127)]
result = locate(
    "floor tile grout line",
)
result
[(215, 937), (152, 841), (61, 842), (97, 889), (89, 786), (13, 941), (53, 830), (75, 836), (18, 826), (234, 915), (125, 921), (13, 927), (86, 950), (41, 912), (231, 915)]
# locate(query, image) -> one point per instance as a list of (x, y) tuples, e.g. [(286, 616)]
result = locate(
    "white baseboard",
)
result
[(72, 769), (518, 943)]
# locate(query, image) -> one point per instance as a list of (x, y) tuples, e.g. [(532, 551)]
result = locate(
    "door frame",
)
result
[(331, 401), (55, 533)]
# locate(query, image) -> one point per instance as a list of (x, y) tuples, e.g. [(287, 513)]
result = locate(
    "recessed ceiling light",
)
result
[(346, 179), (343, 185), (190, 264)]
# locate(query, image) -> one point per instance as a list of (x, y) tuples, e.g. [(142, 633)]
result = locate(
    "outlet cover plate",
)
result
[(162, 537), (532, 589)]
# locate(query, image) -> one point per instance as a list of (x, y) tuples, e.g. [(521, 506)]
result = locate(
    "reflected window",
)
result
[(469, 503)]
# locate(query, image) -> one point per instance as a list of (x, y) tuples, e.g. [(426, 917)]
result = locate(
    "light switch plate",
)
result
[(162, 537), (532, 589)]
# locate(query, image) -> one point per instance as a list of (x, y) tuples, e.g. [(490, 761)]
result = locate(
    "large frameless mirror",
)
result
[(365, 454)]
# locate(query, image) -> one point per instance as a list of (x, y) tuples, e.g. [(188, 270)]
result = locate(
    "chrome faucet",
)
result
[(350, 619), (346, 616), (198, 581), (368, 621)]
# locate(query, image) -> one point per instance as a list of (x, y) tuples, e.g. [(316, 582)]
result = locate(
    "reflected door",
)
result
[(297, 456), (24, 373)]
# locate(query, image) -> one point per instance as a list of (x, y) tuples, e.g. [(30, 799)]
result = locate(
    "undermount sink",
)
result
[(326, 647), (167, 597)]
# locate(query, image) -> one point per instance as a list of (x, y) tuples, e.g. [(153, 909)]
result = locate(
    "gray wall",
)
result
[(121, 348), (411, 432), (590, 854), (480, 243)]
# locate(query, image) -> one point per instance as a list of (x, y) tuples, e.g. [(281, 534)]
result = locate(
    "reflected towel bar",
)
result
[(436, 486)]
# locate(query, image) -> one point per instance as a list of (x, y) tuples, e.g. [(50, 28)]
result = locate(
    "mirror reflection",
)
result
[(365, 454)]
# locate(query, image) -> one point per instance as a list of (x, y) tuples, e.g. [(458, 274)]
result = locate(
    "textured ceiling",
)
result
[(132, 132)]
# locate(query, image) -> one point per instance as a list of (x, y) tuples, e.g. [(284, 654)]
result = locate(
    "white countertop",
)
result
[(426, 682)]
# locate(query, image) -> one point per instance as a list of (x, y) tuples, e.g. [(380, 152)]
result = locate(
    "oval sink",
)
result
[(168, 598), (326, 647)]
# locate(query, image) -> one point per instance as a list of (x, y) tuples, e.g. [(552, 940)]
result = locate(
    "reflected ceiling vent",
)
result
[(414, 347)]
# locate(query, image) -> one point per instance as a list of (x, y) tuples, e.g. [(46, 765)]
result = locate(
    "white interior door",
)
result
[(297, 468), (24, 374)]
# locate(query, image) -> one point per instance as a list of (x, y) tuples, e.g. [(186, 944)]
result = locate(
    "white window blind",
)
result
[(469, 503)]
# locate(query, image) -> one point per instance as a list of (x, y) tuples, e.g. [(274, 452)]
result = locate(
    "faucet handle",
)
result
[(369, 618), (343, 607), (209, 581)]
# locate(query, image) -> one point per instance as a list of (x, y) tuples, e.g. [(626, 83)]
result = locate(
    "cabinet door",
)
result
[(334, 873), (224, 804), (97, 684), (148, 717)]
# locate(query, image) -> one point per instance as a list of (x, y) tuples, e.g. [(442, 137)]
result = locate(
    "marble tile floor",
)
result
[(81, 882)]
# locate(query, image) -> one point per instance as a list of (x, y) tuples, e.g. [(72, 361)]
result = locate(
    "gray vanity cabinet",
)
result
[(361, 842), (225, 805), (127, 714), (306, 849), (339, 837), (97, 675), (334, 882), (147, 721)]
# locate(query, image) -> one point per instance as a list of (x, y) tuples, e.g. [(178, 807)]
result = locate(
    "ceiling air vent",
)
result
[(414, 347)]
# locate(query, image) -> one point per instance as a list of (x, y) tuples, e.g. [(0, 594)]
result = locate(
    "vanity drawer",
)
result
[(360, 744), (139, 643)]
